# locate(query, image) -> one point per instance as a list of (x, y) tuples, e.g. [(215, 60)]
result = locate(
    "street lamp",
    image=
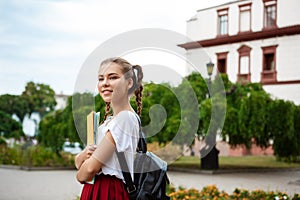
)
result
[(210, 160), (210, 68)]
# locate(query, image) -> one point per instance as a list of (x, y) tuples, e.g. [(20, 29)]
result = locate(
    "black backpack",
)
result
[(150, 173)]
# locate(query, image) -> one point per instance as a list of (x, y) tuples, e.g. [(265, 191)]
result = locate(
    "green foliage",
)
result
[(39, 156), (9, 127), (199, 85), (283, 128), (55, 127), (9, 156), (100, 106), (52, 131), (40, 98), (34, 156), (59, 125), (163, 95), (2, 141), (247, 115), (259, 102), (14, 104)]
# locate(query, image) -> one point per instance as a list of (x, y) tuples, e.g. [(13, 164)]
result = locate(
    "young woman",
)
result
[(118, 80)]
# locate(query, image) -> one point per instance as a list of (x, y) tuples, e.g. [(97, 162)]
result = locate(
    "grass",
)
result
[(243, 162)]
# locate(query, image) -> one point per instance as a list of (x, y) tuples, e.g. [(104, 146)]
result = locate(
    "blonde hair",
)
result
[(137, 87)]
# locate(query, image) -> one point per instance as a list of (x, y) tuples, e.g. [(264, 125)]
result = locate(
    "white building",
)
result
[(61, 101), (251, 40)]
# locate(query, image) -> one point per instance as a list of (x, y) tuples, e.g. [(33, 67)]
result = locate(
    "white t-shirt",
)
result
[(124, 128)]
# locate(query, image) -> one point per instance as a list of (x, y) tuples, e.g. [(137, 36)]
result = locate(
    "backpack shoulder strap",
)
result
[(125, 171), (142, 146)]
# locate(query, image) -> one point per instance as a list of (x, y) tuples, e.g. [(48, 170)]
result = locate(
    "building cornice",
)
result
[(282, 82), (243, 37)]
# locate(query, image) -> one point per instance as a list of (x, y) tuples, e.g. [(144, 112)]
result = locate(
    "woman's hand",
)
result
[(83, 155), (94, 163), (89, 150)]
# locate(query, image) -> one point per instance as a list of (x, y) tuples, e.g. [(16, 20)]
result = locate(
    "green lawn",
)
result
[(247, 162)]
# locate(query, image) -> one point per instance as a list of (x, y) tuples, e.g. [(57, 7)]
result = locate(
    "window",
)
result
[(222, 66), (245, 17), (222, 62), (269, 64), (223, 22), (270, 13), (244, 64), (244, 74)]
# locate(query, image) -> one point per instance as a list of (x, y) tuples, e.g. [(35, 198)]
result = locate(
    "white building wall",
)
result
[(288, 12), (202, 26), (286, 92), (257, 15), (256, 58), (198, 57), (288, 54), (233, 20)]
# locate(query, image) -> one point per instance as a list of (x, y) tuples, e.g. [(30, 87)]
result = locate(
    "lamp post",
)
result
[(210, 68), (210, 160)]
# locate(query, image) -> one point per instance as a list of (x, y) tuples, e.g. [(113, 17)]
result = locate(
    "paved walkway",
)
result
[(61, 184)]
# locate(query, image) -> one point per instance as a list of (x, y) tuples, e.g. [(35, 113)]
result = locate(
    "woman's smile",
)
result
[(106, 92)]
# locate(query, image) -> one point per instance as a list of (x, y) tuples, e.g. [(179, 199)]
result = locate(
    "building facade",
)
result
[(61, 101), (251, 41)]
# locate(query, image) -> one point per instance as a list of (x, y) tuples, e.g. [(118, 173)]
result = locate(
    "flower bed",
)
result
[(212, 192)]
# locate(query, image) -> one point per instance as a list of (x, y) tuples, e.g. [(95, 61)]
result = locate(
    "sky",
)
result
[(47, 41)]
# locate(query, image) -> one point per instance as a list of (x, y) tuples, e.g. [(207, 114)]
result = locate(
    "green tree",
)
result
[(9, 127), (40, 98), (52, 131), (160, 110), (200, 88), (14, 104), (282, 128), (247, 114), (297, 132), (58, 126), (187, 113)]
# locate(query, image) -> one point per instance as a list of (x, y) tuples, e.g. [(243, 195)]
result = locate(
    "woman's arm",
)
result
[(83, 155), (92, 165)]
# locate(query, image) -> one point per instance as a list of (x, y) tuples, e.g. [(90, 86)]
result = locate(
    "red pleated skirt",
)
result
[(105, 187)]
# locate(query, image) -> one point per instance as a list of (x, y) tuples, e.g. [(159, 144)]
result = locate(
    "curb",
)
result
[(229, 171), (30, 168)]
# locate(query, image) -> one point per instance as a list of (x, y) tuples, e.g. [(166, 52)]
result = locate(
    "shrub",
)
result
[(9, 156), (35, 156)]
